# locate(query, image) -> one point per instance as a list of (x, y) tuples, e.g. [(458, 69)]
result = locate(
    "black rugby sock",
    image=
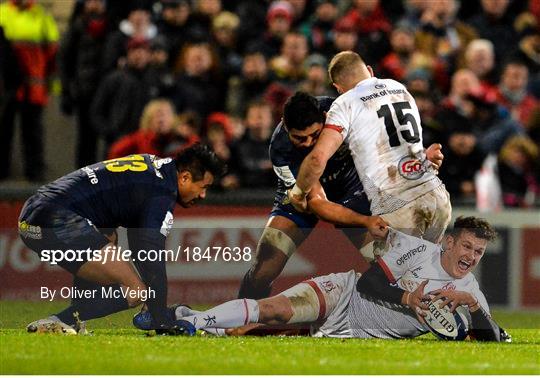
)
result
[(97, 306)]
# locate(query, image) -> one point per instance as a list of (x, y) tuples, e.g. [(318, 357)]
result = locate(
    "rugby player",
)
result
[(385, 302), (81, 211), (377, 119), (337, 198)]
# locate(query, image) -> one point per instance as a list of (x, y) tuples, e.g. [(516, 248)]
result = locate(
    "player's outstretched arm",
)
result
[(337, 214), (313, 167)]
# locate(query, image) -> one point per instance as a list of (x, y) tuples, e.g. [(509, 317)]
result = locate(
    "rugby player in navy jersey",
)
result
[(81, 211), (339, 199)]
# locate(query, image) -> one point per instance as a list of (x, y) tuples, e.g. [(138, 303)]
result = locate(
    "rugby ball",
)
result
[(444, 324)]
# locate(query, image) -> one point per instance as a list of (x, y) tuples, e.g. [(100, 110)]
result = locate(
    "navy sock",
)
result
[(91, 308)]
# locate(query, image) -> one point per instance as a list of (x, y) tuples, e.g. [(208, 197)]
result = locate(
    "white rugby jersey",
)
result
[(408, 262), (380, 123)]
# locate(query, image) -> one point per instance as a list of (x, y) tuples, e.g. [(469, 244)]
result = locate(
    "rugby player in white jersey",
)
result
[(379, 122), (384, 302)]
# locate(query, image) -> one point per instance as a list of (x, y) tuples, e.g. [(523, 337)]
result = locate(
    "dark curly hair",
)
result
[(301, 111), (199, 159), (478, 226)]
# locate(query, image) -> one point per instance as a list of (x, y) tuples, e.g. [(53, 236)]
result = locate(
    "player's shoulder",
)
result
[(325, 102), (280, 146)]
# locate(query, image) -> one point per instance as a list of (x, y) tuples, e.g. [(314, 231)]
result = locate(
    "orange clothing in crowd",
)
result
[(33, 35)]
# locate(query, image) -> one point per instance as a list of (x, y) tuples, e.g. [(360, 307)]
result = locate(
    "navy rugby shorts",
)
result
[(45, 225), (356, 201)]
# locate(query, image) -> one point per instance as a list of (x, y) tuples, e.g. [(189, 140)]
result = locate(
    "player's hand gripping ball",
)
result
[(444, 324)]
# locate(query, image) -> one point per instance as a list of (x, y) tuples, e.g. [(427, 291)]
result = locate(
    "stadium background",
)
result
[(510, 273)]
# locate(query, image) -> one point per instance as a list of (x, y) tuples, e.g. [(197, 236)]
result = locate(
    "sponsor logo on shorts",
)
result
[(29, 231), (406, 256), (411, 168), (328, 286)]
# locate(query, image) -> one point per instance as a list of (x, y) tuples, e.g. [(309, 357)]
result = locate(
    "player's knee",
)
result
[(275, 310), (275, 243)]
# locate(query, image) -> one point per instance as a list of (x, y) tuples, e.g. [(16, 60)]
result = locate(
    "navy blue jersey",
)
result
[(338, 180), (136, 191)]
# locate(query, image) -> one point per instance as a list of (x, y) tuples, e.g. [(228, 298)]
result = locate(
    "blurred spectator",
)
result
[(33, 36), (529, 51), (300, 11), (10, 75), (316, 82), (432, 130), (276, 95), (250, 84), (137, 26), (198, 86), (279, 19), (467, 107), (480, 59), (318, 28), (512, 92), (200, 20), (345, 38), (173, 25), (219, 136), (463, 157), (413, 12), (251, 161), (289, 65), (159, 66), (518, 162), (493, 124), (372, 27), (395, 64), (252, 27), (159, 133), (464, 82), (496, 25), (224, 29), (79, 61), (442, 36), (419, 80), (122, 95)]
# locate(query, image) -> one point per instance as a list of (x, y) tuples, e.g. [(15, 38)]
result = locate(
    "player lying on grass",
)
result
[(387, 301), (81, 211), (339, 199)]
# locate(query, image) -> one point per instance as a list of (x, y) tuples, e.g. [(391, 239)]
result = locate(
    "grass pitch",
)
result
[(117, 348)]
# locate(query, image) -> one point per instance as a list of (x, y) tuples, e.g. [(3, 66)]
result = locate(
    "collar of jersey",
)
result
[(366, 81)]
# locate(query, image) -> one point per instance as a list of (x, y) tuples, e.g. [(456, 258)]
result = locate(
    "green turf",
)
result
[(116, 348)]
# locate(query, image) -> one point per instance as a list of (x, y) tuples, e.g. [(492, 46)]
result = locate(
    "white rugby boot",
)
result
[(51, 325)]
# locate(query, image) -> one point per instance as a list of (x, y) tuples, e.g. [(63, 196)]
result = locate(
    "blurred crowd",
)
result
[(156, 76)]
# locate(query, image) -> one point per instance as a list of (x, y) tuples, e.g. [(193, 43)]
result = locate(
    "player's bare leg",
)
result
[(108, 273), (114, 272), (279, 241)]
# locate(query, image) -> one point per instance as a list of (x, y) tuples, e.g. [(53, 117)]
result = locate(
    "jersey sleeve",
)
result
[(403, 253), (280, 156), (338, 118)]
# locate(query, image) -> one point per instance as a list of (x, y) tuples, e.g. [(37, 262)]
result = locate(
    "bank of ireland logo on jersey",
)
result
[(411, 168)]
